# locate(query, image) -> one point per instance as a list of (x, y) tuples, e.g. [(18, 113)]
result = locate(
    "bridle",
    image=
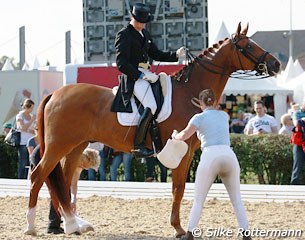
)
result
[(260, 64), (260, 69)]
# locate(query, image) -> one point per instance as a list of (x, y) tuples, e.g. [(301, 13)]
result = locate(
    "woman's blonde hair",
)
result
[(92, 156), (207, 96), (285, 118)]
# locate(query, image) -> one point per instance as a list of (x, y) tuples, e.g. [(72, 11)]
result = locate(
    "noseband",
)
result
[(260, 64)]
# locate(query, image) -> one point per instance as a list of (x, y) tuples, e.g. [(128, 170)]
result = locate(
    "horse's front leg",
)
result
[(179, 176)]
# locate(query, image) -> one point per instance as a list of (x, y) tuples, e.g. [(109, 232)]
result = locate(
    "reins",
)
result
[(259, 72)]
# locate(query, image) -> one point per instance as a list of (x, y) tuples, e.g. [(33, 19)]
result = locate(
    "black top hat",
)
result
[(141, 13)]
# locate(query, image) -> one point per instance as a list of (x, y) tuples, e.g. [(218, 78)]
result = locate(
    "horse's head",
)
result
[(250, 56)]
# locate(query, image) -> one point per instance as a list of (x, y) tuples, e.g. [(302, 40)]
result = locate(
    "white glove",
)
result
[(150, 77), (175, 132), (181, 52)]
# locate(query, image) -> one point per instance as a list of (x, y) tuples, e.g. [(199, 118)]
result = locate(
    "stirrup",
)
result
[(142, 153)]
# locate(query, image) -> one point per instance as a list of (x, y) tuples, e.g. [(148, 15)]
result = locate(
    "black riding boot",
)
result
[(140, 151)]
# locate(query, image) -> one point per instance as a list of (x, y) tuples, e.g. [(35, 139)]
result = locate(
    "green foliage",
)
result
[(264, 159), (8, 160)]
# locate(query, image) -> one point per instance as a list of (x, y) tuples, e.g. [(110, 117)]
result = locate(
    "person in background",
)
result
[(238, 124), (217, 158), (262, 123), (297, 151), (6, 128), (101, 170), (32, 142), (287, 124), (118, 158), (134, 46), (90, 159), (293, 108), (25, 121), (150, 174)]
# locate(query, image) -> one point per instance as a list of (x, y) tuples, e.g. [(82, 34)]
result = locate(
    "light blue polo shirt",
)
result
[(212, 127)]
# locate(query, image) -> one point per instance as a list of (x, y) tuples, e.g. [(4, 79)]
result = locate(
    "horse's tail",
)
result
[(40, 122), (56, 178)]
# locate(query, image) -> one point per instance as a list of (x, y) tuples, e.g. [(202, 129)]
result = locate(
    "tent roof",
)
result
[(7, 66), (265, 86), (297, 67), (222, 34)]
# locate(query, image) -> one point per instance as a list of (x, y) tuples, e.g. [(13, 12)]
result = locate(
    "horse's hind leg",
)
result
[(38, 176)]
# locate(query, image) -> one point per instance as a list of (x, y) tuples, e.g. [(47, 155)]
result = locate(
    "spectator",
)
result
[(25, 123), (297, 151), (118, 158), (262, 123), (238, 125), (287, 124), (32, 142), (293, 108), (151, 174), (101, 169), (6, 128), (90, 158)]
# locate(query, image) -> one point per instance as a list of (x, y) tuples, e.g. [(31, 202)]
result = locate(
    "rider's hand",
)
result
[(181, 52), (150, 77)]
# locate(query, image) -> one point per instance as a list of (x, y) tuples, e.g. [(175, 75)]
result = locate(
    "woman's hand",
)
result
[(175, 132)]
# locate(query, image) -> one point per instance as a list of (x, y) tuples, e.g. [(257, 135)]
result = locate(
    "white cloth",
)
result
[(217, 160), (172, 153), (132, 119)]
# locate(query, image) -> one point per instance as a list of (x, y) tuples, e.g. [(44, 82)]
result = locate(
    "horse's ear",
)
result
[(245, 30), (238, 29)]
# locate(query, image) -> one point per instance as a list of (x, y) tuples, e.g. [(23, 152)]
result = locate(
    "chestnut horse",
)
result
[(77, 114)]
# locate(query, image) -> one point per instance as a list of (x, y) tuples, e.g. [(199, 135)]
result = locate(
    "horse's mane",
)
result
[(207, 54)]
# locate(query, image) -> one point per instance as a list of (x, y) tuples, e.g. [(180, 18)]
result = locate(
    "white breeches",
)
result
[(142, 90), (217, 160)]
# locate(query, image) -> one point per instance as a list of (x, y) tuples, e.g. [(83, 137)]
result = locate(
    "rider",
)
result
[(134, 46)]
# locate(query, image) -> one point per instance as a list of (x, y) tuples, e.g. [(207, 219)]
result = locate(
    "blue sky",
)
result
[(47, 21)]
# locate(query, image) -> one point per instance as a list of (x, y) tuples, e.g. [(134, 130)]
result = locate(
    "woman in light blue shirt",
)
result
[(217, 158)]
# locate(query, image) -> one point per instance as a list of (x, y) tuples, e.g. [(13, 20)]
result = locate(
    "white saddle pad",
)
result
[(132, 119)]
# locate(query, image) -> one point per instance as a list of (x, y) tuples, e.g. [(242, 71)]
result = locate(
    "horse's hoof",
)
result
[(28, 231), (179, 234), (85, 229), (84, 225)]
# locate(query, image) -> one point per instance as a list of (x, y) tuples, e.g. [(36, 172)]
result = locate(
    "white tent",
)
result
[(261, 87), (221, 35), (35, 64), (298, 86), (7, 66), (297, 67)]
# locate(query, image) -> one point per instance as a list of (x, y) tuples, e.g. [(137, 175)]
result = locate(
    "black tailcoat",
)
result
[(131, 49)]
